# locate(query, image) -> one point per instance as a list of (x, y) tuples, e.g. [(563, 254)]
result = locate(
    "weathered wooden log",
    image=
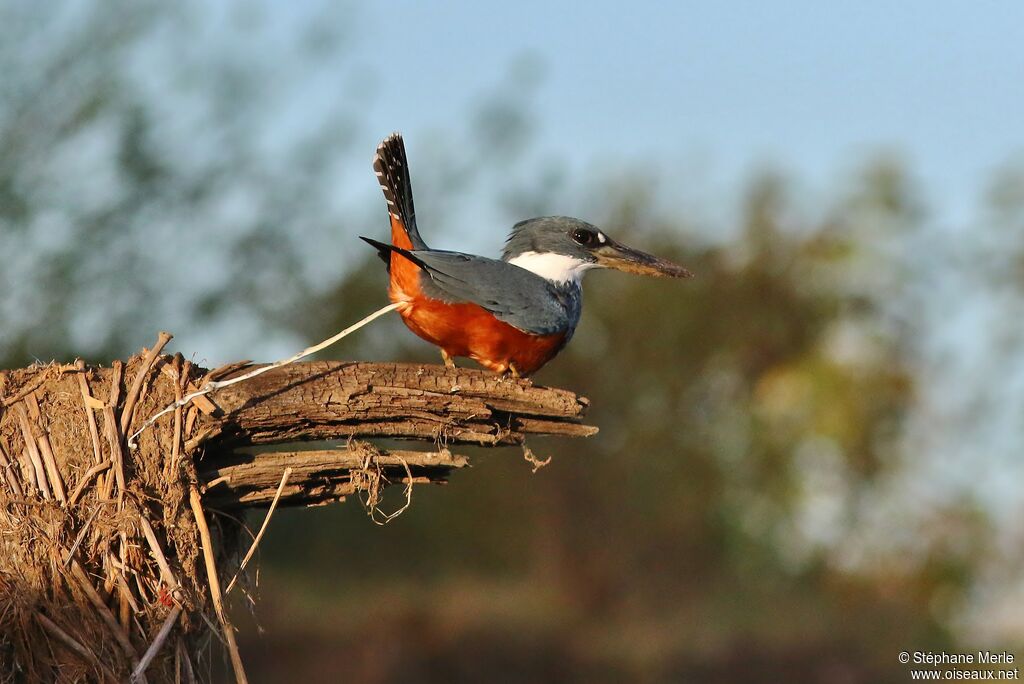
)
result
[(335, 400)]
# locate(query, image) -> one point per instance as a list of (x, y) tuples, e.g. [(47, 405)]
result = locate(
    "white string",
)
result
[(216, 385)]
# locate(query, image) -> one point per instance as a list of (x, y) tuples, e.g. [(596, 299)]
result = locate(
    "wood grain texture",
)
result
[(335, 400)]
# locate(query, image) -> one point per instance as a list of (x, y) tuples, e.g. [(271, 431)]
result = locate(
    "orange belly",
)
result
[(471, 331), (463, 329)]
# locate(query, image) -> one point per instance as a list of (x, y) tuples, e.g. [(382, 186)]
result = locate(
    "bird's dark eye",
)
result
[(583, 237)]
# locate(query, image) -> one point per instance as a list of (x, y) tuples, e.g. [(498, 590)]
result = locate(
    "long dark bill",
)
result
[(623, 258)]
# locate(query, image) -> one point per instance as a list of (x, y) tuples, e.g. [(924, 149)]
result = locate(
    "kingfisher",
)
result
[(511, 315)]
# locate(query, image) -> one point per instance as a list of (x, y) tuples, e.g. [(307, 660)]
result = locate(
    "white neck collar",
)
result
[(558, 268)]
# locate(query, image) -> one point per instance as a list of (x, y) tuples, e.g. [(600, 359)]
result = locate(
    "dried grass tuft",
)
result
[(102, 575)]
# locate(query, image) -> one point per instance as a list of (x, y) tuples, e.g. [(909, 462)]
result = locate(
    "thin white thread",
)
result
[(216, 385)]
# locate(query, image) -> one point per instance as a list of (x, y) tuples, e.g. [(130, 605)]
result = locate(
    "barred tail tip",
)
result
[(387, 163), (390, 153)]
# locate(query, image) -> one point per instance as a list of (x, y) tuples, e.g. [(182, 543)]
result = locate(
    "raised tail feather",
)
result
[(392, 169)]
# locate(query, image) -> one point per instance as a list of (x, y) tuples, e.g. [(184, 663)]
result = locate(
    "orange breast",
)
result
[(465, 329)]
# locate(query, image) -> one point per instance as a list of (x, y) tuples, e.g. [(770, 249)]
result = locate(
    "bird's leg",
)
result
[(513, 371), (447, 359)]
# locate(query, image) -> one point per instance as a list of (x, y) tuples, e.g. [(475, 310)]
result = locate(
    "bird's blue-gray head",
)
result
[(562, 249)]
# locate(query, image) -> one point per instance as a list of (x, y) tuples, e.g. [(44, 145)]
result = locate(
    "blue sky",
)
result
[(707, 93), (811, 87)]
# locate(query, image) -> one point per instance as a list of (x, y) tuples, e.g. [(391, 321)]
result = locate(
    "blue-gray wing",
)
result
[(514, 295)]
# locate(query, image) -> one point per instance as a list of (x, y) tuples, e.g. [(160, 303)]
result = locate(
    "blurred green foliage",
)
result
[(694, 538), (740, 515)]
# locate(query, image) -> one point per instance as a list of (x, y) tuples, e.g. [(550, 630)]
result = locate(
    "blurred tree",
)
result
[(126, 150)]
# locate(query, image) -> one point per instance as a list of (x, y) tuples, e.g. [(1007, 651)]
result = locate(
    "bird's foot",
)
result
[(448, 361)]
